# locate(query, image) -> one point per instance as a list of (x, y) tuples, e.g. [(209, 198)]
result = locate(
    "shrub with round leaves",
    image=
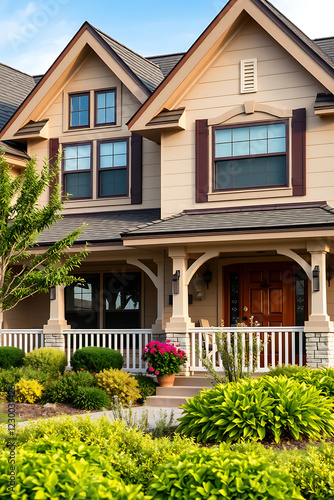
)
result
[(215, 474), (269, 408), (96, 359)]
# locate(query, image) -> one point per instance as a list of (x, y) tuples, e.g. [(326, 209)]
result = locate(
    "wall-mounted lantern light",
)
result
[(316, 279), (175, 280), (207, 276), (52, 293)]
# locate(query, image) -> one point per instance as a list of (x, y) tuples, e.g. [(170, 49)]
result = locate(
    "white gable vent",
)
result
[(248, 69)]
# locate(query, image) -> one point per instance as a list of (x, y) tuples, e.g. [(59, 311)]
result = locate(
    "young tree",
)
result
[(24, 272)]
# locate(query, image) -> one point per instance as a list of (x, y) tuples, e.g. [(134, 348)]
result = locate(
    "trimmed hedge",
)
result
[(11, 357), (96, 359), (91, 398)]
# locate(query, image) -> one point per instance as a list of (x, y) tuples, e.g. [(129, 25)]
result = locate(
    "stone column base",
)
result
[(183, 340), (320, 349)]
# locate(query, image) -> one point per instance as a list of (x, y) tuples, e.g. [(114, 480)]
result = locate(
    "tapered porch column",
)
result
[(178, 325), (53, 330), (319, 329)]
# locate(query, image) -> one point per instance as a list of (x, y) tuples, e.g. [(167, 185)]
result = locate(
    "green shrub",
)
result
[(322, 379), (213, 474), (286, 370), (64, 389), (120, 385), (96, 359), (28, 391), (8, 378), (131, 453), (147, 387), (47, 359), (11, 357), (53, 469), (256, 409), (311, 470), (91, 398)]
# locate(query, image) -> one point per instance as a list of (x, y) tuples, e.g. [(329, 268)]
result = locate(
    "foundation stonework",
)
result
[(320, 349), (55, 340)]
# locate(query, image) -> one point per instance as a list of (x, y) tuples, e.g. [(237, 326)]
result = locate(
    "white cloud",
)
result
[(313, 17)]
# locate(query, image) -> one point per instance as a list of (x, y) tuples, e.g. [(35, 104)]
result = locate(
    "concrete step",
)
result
[(186, 391), (194, 381), (165, 401)]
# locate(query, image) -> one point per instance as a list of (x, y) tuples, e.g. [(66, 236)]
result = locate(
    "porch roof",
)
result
[(100, 228), (240, 219)]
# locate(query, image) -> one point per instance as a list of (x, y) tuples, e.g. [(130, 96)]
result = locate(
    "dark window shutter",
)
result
[(299, 152), (202, 161), (53, 152), (136, 169)]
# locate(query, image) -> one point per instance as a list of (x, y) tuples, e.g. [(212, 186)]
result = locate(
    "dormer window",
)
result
[(253, 156), (105, 107), (79, 110)]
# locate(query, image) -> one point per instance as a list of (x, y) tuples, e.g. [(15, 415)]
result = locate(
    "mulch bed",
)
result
[(33, 411)]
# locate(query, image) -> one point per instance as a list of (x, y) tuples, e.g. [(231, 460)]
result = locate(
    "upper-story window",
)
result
[(113, 167), (250, 156), (77, 170), (105, 107), (79, 110)]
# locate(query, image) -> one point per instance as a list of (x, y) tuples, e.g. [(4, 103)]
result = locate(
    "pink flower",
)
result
[(145, 350), (157, 372), (162, 351), (151, 369), (168, 340)]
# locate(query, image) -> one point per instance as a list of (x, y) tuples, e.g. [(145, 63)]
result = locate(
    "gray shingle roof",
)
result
[(268, 217), (14, 149), (148, 73), (101, 227), (14, 88), (166, 62), (326, 45), (32, 128)]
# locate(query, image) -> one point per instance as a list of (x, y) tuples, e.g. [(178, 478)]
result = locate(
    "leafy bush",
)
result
[(28, 391), (120, 385), (53, 469), (8, 378), (64, 389), (131, 453), (147, 387), (96, 359), (213, 473), (255, 409), (311, 470), (91, 398), (47, 359), (286, 370), (11, 357), (322, 379)]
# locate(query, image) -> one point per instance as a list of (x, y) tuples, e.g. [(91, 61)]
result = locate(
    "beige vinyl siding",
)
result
[(282, 83), (33, 312), (93, 74)]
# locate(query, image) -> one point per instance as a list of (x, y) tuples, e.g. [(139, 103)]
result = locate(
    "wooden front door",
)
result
[(268, 294)]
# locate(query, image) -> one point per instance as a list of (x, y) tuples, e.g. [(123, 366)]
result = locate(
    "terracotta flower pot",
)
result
[(166, 380)]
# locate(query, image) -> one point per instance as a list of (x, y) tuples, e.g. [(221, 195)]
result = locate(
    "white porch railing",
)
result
[(130, 343), (28, 340), (280, 345)]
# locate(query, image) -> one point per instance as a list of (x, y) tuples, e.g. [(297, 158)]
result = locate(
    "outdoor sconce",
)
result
[(52, 293), (175, 280), (316, 279), (207, 276)]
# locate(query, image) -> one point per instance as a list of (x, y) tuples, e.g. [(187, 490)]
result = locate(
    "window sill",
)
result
[(257, 194)]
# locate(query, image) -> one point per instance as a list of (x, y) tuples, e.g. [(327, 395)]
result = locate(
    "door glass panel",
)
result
[(82, 303), (234, 299), (122, 300)]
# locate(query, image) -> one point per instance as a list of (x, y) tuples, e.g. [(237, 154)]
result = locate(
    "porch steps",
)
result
[(183, 388)]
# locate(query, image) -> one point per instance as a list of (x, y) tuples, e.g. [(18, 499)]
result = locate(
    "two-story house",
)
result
[(205, 180)]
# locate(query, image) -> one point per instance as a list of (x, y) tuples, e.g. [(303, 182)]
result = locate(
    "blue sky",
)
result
[(35, 32)]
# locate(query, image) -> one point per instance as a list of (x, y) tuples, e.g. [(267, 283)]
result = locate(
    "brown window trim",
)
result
[(244, 125), (78, 94), (104, 91), (63, 173), (105, 141)]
